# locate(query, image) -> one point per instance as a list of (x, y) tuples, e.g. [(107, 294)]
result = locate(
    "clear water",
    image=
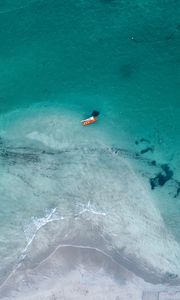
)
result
[(60, 60)]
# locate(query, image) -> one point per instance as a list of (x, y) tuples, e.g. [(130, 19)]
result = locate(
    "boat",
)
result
[(89, 121)]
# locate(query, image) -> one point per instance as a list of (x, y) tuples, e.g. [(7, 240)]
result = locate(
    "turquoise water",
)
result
[(59, 60)]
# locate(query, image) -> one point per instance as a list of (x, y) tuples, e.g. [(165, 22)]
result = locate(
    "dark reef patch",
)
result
[(26, 155), (148, 149), (142, 140), (177, 189), (161, 178), (153, 163)]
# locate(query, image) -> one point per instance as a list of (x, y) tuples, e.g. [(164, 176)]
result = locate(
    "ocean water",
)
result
[(60, 60)]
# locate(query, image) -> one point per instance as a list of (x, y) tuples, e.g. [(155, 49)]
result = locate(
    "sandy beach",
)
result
[(77, 273), (116, 248)]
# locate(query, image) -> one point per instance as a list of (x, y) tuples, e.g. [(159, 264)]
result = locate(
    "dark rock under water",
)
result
[(161, 178)]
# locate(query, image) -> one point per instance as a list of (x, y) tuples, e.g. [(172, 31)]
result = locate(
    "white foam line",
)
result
[(92, 211), (48, 220), (89, 209)]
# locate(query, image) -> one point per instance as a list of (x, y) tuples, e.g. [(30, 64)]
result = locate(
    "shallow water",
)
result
[(59, 61)]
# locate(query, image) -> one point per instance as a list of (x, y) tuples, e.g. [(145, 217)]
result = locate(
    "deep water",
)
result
[(59, 61)]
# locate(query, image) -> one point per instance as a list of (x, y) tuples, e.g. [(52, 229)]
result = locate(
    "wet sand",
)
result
[(74, 272), (81, 273)]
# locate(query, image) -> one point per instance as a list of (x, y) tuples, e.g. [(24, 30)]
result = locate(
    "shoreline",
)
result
[(91, 229), (120, 219)]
